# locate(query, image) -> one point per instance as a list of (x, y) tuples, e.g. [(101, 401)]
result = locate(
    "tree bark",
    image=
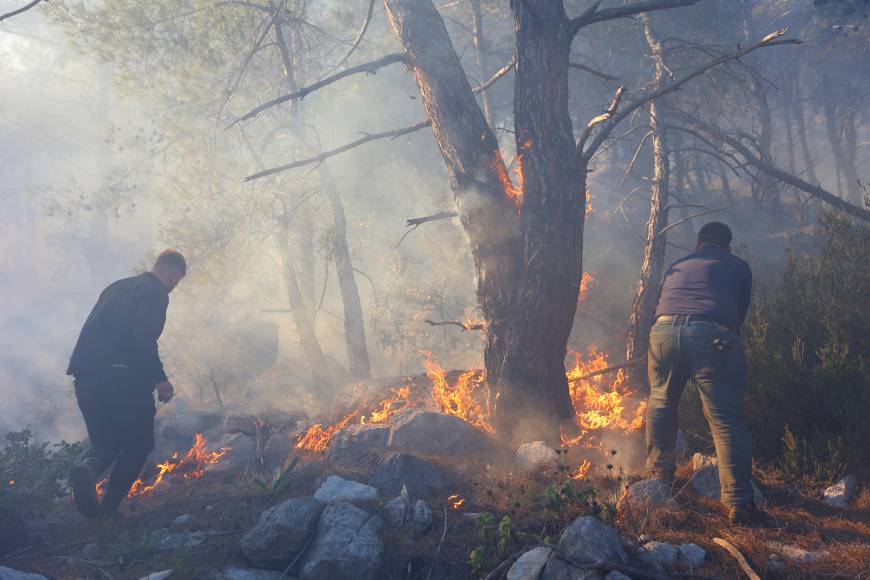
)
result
[(647, 290)]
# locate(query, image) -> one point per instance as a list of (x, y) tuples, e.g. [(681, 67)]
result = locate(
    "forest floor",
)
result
[(226, 506)]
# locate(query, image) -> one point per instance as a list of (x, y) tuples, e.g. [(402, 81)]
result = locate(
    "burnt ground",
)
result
[(72, 547)]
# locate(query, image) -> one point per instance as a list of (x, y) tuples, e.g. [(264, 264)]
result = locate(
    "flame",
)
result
[(317, 438), (581, 470), (455, 501), (190, 466), (589, 208), (400, 401), (598, 404), (460, 399), (515, 192), (585, 281)]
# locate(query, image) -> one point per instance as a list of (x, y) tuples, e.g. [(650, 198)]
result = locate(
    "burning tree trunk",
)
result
[(647, 290)]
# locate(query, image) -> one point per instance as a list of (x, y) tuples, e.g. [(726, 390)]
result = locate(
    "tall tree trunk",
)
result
[(647, 290), (354, 322), (798, 108), (528, 262), (850, 152)]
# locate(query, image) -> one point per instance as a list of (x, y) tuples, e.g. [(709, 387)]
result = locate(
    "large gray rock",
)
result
[(396, 512), (658, 554), (336, 489), (347, 546), (421, 517), (11, 574), (246, 424), (646, 491), (587, 538), (558, 569), (399, 513), (840, 494), (705, 479), (534, 456), (419, 476), (281, 532), (277, 449), (692, 554), (241, 455), (358, 439), (431, 433), (529, 565)]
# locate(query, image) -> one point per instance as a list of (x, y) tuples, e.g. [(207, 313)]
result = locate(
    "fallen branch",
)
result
[(18, 11), (415, 223), (471, 325), (604, 371), (738, 555)]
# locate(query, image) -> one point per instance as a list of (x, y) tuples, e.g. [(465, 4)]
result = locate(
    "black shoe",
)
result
[(83, 483), (747, 515)]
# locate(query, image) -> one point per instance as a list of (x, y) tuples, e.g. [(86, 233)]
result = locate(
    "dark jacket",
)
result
[(711, 282), (123, 329)]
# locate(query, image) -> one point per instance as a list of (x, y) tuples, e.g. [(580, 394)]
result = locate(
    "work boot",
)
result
[(747, 515), (83, 482)]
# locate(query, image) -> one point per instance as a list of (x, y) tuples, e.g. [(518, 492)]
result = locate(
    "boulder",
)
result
[(534, 456), (431, 433), (336, 489), (246, 424), (396, 512), (241, 455), (178, 429), (233, 573), (529, 565), (347, 546), (11, 574), (281, 532), (692, 554), (357, 439), (587, 538), (705, 479), (650, 491), (419, 476), (421, 517), (558, 569), (277, 449), (658, 554), (839, 494)]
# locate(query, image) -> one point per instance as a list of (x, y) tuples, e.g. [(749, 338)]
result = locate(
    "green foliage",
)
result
[(496, 543), (800, 460), (563, 498), (279, 480), (32, 475)]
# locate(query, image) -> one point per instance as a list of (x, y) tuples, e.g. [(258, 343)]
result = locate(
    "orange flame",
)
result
[(585, 281), (515, 192), (190, 466), (317, 438), (581, 471), (455, 501), (460, 399), (400, 401)]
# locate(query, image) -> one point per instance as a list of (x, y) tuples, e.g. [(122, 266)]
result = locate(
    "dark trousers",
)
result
[(118, 408), (683, 350)]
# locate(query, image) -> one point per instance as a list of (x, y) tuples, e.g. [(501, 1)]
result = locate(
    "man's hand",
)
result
[(165, 391)]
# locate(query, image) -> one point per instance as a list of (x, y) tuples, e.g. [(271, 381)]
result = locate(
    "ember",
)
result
[(455, 501)]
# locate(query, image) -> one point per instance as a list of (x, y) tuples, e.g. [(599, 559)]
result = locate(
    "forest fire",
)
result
[(460, 399), (581, 471)]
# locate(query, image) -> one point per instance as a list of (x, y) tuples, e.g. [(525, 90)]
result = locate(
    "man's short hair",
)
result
[(715, 233), (170, 258)]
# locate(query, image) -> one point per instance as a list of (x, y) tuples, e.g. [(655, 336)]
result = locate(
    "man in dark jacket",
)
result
[(117, 368), (703, 302)]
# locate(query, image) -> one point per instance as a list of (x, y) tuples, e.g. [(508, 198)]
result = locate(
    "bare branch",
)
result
[(769, 40), (359, 37), (608, 114), (18, 11), (667, 228), (593, 15), (415, 223), (589, 69), (470, 325), (498, 74), (369, 67)]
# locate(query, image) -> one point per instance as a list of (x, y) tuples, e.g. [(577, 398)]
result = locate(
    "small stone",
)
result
[(162, 575), (839, 494), (658, 554), (336, 489), (183, 521), (558, 569), (421, 517), (396, 512), (534, 456), (530, 565), (588, 538), (281, 532), (650, 491), (692, 554)]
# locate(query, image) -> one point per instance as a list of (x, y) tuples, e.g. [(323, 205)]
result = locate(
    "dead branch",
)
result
[(431, 218), (359, 36), (18, 11), (369, 67), (669, 227), (738, 555), (593, 15), (368, 138), (594, 71), (608, 114), (814, 190), (631, 363), (476, 325), (611, 122)]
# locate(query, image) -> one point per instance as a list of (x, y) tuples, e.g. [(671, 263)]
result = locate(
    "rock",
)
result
[(776, 562), (246, 424), (174, 542), (530, 564), (396, 511), (419, 476), (693, 554), (421, 517), (241, 456), (705, 480), (277, 449), (587, 538), (839, 494), (797, 554), (646, 491), (183, 521), (558, 569), (431, 433), (336, 489), (162, 575), (616, 575), (233, 573), (358, 439), (658, 554), (347, 546), (11, 574), (534, 456), (281, 532), (180, 428)]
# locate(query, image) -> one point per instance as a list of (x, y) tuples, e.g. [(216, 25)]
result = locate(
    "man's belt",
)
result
[(683, 318)]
